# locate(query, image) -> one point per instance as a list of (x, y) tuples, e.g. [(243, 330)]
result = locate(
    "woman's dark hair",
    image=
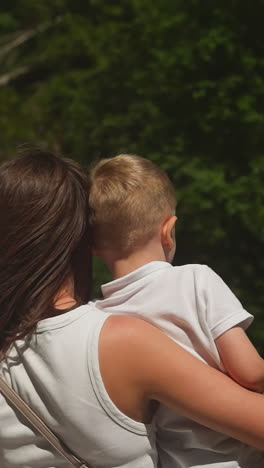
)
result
[(44, 239)]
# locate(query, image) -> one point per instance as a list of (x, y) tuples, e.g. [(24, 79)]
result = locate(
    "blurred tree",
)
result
[(179, 82)]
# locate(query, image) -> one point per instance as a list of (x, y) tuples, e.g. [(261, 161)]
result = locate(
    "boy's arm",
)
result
[(227, 320), (241, 359)]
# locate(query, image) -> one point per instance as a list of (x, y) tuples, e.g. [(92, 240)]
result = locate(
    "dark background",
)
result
[(179, 82)]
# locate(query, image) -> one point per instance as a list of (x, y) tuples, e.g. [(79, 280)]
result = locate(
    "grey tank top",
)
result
[(58, 375)]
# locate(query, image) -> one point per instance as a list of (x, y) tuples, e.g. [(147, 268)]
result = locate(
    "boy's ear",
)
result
[(167, 232)]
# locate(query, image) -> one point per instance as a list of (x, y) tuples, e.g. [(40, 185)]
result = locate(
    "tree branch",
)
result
[(24, 37), (7, 77)]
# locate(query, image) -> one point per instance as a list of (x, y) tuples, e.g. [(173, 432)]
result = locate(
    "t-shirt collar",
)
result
[(110, 288)]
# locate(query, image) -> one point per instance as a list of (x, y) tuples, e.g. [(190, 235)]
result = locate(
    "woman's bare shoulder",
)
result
[(129, 338), (124, 327)]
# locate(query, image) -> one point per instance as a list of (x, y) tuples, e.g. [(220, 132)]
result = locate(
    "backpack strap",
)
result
[(41, 427)]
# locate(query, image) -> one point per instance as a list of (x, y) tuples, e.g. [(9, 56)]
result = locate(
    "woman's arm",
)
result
[(139, 364)]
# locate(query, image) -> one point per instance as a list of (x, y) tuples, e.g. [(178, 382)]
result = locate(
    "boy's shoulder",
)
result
[(195, 269), (194, 277), (165, 272)]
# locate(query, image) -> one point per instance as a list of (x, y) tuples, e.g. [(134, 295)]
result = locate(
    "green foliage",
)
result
[(101, 276), (179, 82)]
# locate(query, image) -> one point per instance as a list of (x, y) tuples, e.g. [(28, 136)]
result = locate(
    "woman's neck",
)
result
[(64, 299)]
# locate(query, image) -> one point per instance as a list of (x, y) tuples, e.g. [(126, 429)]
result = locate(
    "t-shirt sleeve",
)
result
[(223, 309)]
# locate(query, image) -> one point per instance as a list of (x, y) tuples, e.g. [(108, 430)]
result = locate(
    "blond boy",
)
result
[(133, 205)]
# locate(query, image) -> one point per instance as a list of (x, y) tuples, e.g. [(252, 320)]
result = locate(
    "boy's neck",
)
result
[(122, 266)]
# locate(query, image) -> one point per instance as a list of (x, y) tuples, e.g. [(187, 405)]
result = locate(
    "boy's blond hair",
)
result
[(130, 197)]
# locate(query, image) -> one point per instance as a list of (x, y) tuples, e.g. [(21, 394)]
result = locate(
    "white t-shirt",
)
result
[(58, 376), (193, 306)]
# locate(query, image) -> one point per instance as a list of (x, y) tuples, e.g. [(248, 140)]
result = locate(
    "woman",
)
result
[(94, 379)]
